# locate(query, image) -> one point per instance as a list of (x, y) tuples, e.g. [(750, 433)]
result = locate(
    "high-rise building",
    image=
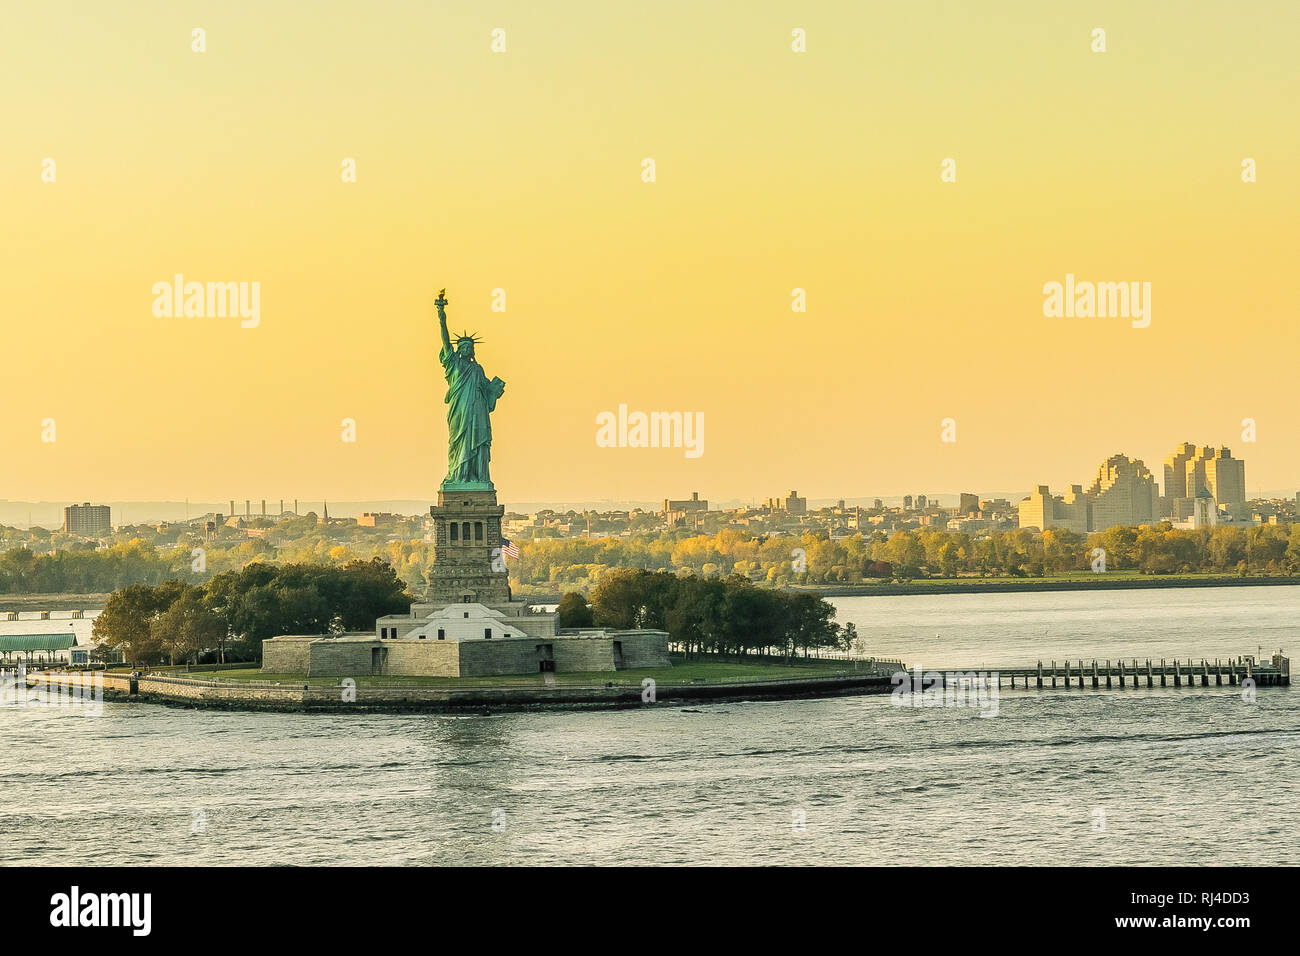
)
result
[(1194, 472), (1123, 493), (1225, 479), (970, 504), (87, 519), (1176, 471)]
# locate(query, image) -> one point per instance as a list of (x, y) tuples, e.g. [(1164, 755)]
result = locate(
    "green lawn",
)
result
[(680, 673)]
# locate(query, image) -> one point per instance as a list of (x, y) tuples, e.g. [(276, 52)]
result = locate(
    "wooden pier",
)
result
[(1132, 673)]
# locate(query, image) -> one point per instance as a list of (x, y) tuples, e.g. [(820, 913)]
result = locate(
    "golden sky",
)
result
[(522, 171)]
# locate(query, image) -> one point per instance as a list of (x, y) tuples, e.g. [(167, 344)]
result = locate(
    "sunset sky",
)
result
[(522, 171)]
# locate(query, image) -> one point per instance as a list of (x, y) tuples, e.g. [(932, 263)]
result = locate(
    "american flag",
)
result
[(509, 548)]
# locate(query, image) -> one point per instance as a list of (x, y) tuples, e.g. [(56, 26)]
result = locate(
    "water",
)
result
[(61, 622), (1020, 629), (1182, 776)]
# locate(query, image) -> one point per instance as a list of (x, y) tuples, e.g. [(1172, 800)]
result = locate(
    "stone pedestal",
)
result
[(467, 560)]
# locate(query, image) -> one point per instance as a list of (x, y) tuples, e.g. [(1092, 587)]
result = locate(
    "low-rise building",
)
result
[(465, 640), (684, 511), (1043, 510)]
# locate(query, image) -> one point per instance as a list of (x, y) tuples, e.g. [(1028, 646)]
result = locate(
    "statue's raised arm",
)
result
[(441, 304)]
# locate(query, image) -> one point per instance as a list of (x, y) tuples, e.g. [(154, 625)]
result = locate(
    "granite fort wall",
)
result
[(422, 658), (643, 648), (589, 652), (583, 653), (536, 625), (494, 658), (286, 655), (341, 658)]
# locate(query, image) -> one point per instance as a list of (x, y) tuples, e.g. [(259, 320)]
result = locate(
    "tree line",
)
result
[(814, 558), (34, 561), (709, 615), (145, 556), (230, 615)]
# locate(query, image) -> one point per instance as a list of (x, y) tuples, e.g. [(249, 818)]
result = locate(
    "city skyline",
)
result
[(45, 514), (153, 511)]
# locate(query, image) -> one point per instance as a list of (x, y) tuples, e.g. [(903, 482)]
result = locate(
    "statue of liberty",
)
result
[(470, 399)]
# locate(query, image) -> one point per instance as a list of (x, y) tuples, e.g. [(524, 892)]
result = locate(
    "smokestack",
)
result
[(295, 507), (281, 506), (263, 507), (232, 507), (248, 508)]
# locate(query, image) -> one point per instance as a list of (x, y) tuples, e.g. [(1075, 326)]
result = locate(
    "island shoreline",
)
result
[(1004, 586)]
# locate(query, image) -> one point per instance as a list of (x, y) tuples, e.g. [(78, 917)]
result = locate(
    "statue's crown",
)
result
[(468, 337)]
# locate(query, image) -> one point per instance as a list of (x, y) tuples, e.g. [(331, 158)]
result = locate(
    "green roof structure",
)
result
[(37, 642)]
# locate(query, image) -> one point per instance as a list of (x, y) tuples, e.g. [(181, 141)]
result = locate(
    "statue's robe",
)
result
[(470, 399)]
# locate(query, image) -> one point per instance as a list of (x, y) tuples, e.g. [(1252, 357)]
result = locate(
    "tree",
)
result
[(692, 619), (124, 624), (574, 611), (187, 627), (810, 623), (628, 598), (848, 635)]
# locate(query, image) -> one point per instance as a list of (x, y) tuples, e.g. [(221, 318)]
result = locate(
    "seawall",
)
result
[(250, 695)]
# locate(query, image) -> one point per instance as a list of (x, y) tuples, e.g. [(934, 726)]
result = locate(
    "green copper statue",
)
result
[(470, 399)]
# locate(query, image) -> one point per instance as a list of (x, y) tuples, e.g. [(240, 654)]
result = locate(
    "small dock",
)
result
[(1133, 673)]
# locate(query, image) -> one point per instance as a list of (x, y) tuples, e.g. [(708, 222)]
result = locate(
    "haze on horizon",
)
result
[(522, 171)]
